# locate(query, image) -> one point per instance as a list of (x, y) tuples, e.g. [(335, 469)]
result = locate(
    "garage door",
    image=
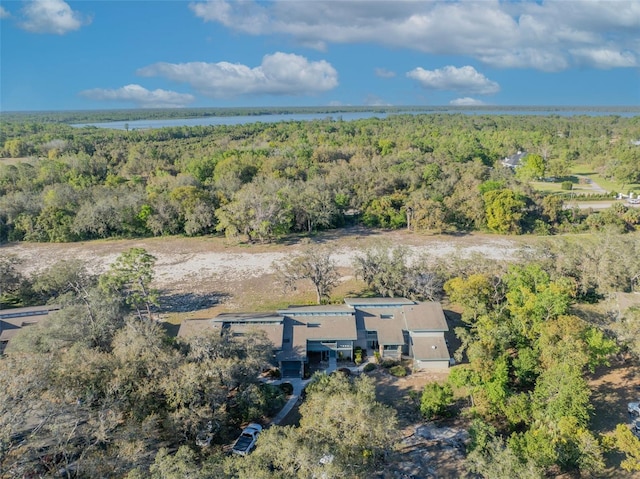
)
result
[(291, 369)]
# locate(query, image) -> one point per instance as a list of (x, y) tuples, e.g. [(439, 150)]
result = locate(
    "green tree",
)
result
[(505, 210), (630, 445), (531, 167), (130, 277), (435, 400), (258, 210)]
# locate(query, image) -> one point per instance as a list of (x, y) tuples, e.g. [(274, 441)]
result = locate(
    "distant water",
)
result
[(346, 116)]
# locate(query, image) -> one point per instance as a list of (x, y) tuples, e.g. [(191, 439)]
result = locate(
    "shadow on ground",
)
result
[(186, 302)]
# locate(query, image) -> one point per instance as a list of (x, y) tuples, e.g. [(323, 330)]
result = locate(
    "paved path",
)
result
[(298, 386), (594, 205)]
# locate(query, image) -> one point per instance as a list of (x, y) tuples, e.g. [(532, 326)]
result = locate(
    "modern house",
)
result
[(514, 160), (13, 320), (393, 327)]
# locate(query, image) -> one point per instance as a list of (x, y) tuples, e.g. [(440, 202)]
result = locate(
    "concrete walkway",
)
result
[(298, 385)]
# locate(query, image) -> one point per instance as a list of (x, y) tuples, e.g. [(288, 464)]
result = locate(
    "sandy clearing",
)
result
[(188, 259)]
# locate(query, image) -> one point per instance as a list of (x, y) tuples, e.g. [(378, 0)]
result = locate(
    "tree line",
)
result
[(99, 388), (435, 172)]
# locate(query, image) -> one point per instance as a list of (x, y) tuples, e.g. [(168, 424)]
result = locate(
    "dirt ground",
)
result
[(612, 388), (200, 277)]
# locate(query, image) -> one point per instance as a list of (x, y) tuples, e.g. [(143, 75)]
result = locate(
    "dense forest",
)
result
[(99, 389), (426, 172)]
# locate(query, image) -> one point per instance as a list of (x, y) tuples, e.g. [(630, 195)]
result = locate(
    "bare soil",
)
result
[(612, 387), (200, 277)]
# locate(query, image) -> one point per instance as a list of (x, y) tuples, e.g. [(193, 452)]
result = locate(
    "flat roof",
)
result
[(429, 348)]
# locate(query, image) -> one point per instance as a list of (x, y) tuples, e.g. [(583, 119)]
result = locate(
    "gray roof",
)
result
[(300, 329), (429, 348), (427, 316), (374, 302), (273, 332), (319, 309), (514, 160), (388, 323), (29, 311), (191, 327), (248, 318)]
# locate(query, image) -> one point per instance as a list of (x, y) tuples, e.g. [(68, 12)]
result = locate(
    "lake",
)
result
[(344, 116)]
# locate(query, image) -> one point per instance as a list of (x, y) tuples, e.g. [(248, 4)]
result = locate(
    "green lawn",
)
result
[(608, 185), (584, 170)]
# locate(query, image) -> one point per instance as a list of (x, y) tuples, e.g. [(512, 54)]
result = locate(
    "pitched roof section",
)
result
[(291, 329), (272, 331), (429, 348), (388, 323), (248, 318), (300, 329), (425, 317), (514, 160), (377, 302), (323, 309)]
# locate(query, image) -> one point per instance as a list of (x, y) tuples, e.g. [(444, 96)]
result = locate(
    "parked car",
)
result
[(634, 408), (247, 440)]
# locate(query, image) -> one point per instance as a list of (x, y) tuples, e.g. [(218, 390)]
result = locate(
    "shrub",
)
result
[(566, 185), (358, 357), (388, 363), (274, 373), (398, 371), (369, 367), (376, 355), (435, 400), (286, 388)]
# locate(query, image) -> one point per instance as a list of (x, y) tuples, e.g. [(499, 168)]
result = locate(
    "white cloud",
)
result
[(466, 101), (141, 97), (51, 16), (464, 79), (551, 35), (605, 58), (4, 13), (384, 73), (374, 100), (279, 74)]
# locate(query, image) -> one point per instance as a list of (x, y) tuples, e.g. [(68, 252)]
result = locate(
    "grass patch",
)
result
[(607, 184), (547, 186)]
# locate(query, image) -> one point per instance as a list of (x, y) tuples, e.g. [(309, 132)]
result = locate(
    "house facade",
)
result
[(393, 327)]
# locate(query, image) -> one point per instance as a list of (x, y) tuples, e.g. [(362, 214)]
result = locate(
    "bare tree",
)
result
[(313, 264)]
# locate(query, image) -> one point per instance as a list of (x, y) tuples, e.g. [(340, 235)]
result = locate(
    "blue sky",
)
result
[(57, 55)]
